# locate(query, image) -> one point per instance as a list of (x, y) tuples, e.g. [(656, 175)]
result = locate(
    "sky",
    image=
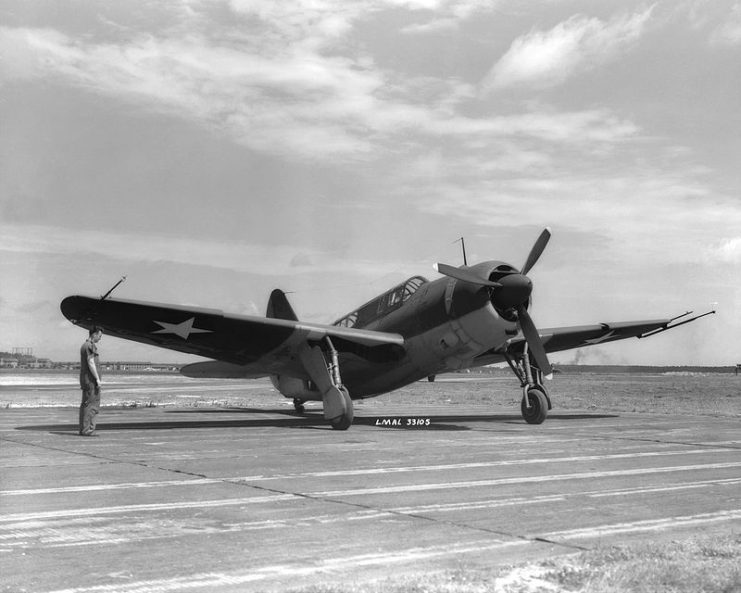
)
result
[(211, 151)]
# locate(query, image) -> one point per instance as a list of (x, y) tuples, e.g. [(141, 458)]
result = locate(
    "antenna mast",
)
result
[(115, 286), (463, 246)]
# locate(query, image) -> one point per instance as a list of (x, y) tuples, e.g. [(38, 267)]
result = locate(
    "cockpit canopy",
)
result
[(382, 305)]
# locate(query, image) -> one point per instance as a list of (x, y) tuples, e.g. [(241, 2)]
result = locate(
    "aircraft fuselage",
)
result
[(446, 324)]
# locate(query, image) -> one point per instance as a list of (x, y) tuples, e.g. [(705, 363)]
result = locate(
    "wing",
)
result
[(557, 339), (251, 346), (566, 338)]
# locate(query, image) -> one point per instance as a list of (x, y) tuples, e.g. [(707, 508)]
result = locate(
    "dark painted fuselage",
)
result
[(446, 324)]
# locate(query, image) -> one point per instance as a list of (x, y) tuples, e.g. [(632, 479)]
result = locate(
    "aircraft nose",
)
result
[(515, 290)]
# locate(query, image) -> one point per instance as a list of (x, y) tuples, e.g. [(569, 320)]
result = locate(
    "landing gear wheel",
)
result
[(345, 421), (538, 409), (298, 405)]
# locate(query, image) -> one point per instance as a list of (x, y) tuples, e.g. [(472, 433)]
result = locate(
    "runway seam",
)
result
[(117, 461), (397, 513), (667, 442), (60, 449)]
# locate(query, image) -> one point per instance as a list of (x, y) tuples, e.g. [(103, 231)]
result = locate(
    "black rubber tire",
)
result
[(345, 421), (538, 410)]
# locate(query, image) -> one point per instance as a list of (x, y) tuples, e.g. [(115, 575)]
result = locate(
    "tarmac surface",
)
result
[(203, 499)]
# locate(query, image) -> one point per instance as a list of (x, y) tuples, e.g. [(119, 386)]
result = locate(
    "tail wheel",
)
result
[(535, 408), (345, 421)]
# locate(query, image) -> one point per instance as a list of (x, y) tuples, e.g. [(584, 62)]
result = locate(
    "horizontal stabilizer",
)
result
[(279, 307), (216, 369)]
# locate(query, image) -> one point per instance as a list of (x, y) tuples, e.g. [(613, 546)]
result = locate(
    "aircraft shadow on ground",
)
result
[(446, 422)]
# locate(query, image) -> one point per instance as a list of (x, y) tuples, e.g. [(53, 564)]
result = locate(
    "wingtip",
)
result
[(69, 306)]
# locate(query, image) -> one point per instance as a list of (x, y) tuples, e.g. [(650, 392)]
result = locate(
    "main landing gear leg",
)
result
[(535, 400), (338, 408)]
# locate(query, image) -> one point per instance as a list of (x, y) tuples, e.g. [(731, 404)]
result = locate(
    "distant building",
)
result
[(41, 363), (139, 366), (23, 360), (127, 366)]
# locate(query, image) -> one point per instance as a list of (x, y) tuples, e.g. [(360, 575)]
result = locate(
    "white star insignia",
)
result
[(601, 338), (182, 330)]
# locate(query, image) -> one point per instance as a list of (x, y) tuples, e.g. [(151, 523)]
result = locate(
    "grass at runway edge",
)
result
[(709, 564)]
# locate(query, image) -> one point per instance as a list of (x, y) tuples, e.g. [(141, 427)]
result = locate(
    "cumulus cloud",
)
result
[(729, 32), (547, 58), (279, 98), (299, 101), (719, 20), (445, 15), (573, 127), (311, 23), (283, 98), (729, 250)]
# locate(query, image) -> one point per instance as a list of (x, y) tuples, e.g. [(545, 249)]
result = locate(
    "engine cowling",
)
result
[(515, 290)]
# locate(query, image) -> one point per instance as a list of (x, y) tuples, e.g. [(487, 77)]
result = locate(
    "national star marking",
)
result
[(183, 330), (602, 338)]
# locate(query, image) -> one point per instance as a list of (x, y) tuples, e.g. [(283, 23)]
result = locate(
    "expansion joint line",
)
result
[(63, 450), (667, 442), (416, 516), (107, 459)]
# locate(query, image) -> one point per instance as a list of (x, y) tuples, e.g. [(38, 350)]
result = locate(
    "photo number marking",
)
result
[(404, 422)]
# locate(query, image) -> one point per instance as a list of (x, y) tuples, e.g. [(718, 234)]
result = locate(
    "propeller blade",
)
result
[(537, 349), (537, 250), (465, 275)]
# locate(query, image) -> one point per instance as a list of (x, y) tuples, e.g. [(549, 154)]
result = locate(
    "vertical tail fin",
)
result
[(279, 307)]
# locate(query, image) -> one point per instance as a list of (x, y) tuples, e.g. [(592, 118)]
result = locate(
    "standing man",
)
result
[(90, 382)]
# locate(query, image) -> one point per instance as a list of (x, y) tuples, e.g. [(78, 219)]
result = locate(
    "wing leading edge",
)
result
[(258, 346)]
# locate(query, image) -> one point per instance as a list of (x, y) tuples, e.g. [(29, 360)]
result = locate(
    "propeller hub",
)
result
[(515, 291)]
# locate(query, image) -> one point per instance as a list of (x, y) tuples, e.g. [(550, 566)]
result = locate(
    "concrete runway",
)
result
[(198, 499)]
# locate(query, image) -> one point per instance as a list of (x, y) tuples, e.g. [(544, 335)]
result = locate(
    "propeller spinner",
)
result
[(512, 291)]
